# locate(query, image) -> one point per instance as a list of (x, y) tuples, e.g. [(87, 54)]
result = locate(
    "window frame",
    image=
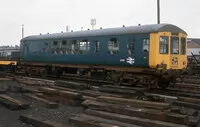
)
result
[(55, 43), (183, 51), (143, 50), (113, 46), (132, 41), (97, 46), (166, 45), (171, 46), (85, 43)]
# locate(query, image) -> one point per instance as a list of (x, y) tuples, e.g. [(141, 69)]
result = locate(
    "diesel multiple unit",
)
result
[(133, 52)]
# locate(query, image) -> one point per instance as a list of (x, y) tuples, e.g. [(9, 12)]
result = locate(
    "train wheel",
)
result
[(163, 84)]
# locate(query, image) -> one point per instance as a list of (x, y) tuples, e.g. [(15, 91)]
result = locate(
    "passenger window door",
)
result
[(46, 47), (145, 45), (143, 54), (96, 46), (131, 46)]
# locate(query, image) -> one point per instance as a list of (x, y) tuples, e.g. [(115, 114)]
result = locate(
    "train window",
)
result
[(55, 43), (63, 49), (96, 46), (46, 47), (56, 47), (164, 45), (183, 46), (131, 46), (174, 45), (26, 48), (84, 47), (113, 46), (68, 47), (64, 43), (33, 47), (75, 47), (145, 45)]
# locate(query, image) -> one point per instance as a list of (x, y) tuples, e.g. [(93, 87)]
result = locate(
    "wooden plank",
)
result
[(26, 82), (175, 109), (84, 120), (189, 100), (11, 103), (88, 98), (39, 122), (2, 91), (131, 120), (91, 93), (169, 91), (29, 90), (160, 95), (47, 103), (63, 88), (39, 79), (134, 102), (69, 94), (47, 90), (59, 99), (118, 91), (5, 79), (23, 89), (194, 91), (94, 93), (87, 93), (186, 104), (126, 88), (62, 93), (74, 85), (137, 112), (194, 81), (185, 111)]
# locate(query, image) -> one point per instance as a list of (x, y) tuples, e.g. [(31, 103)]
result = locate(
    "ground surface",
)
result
[(9, 118)]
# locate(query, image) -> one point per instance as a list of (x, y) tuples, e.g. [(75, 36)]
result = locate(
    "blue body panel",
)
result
[(34, 52)]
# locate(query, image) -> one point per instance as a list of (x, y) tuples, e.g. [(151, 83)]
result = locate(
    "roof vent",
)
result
[(123, 26), (139, 24), (61, 31), (101, 28), (47, 33), (71, 30), (88, 29), (40, 34)]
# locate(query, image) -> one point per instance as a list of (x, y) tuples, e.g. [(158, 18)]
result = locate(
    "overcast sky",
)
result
[(43, 16)]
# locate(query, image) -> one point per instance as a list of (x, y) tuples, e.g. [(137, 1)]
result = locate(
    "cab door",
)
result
[(144, 52), (174, 52)]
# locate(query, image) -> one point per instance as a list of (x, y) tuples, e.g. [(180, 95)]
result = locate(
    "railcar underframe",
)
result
[(117, 75)]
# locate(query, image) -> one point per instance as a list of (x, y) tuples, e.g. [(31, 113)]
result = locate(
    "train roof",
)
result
[(110, 31)]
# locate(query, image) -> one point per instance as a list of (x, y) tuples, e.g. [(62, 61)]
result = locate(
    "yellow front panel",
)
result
[(173, 61), (155, 57), (7, 62), (153, 50), (182, 58)]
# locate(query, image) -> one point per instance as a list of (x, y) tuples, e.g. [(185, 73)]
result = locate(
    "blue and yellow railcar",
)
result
[(133, 49), (7, 65)]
